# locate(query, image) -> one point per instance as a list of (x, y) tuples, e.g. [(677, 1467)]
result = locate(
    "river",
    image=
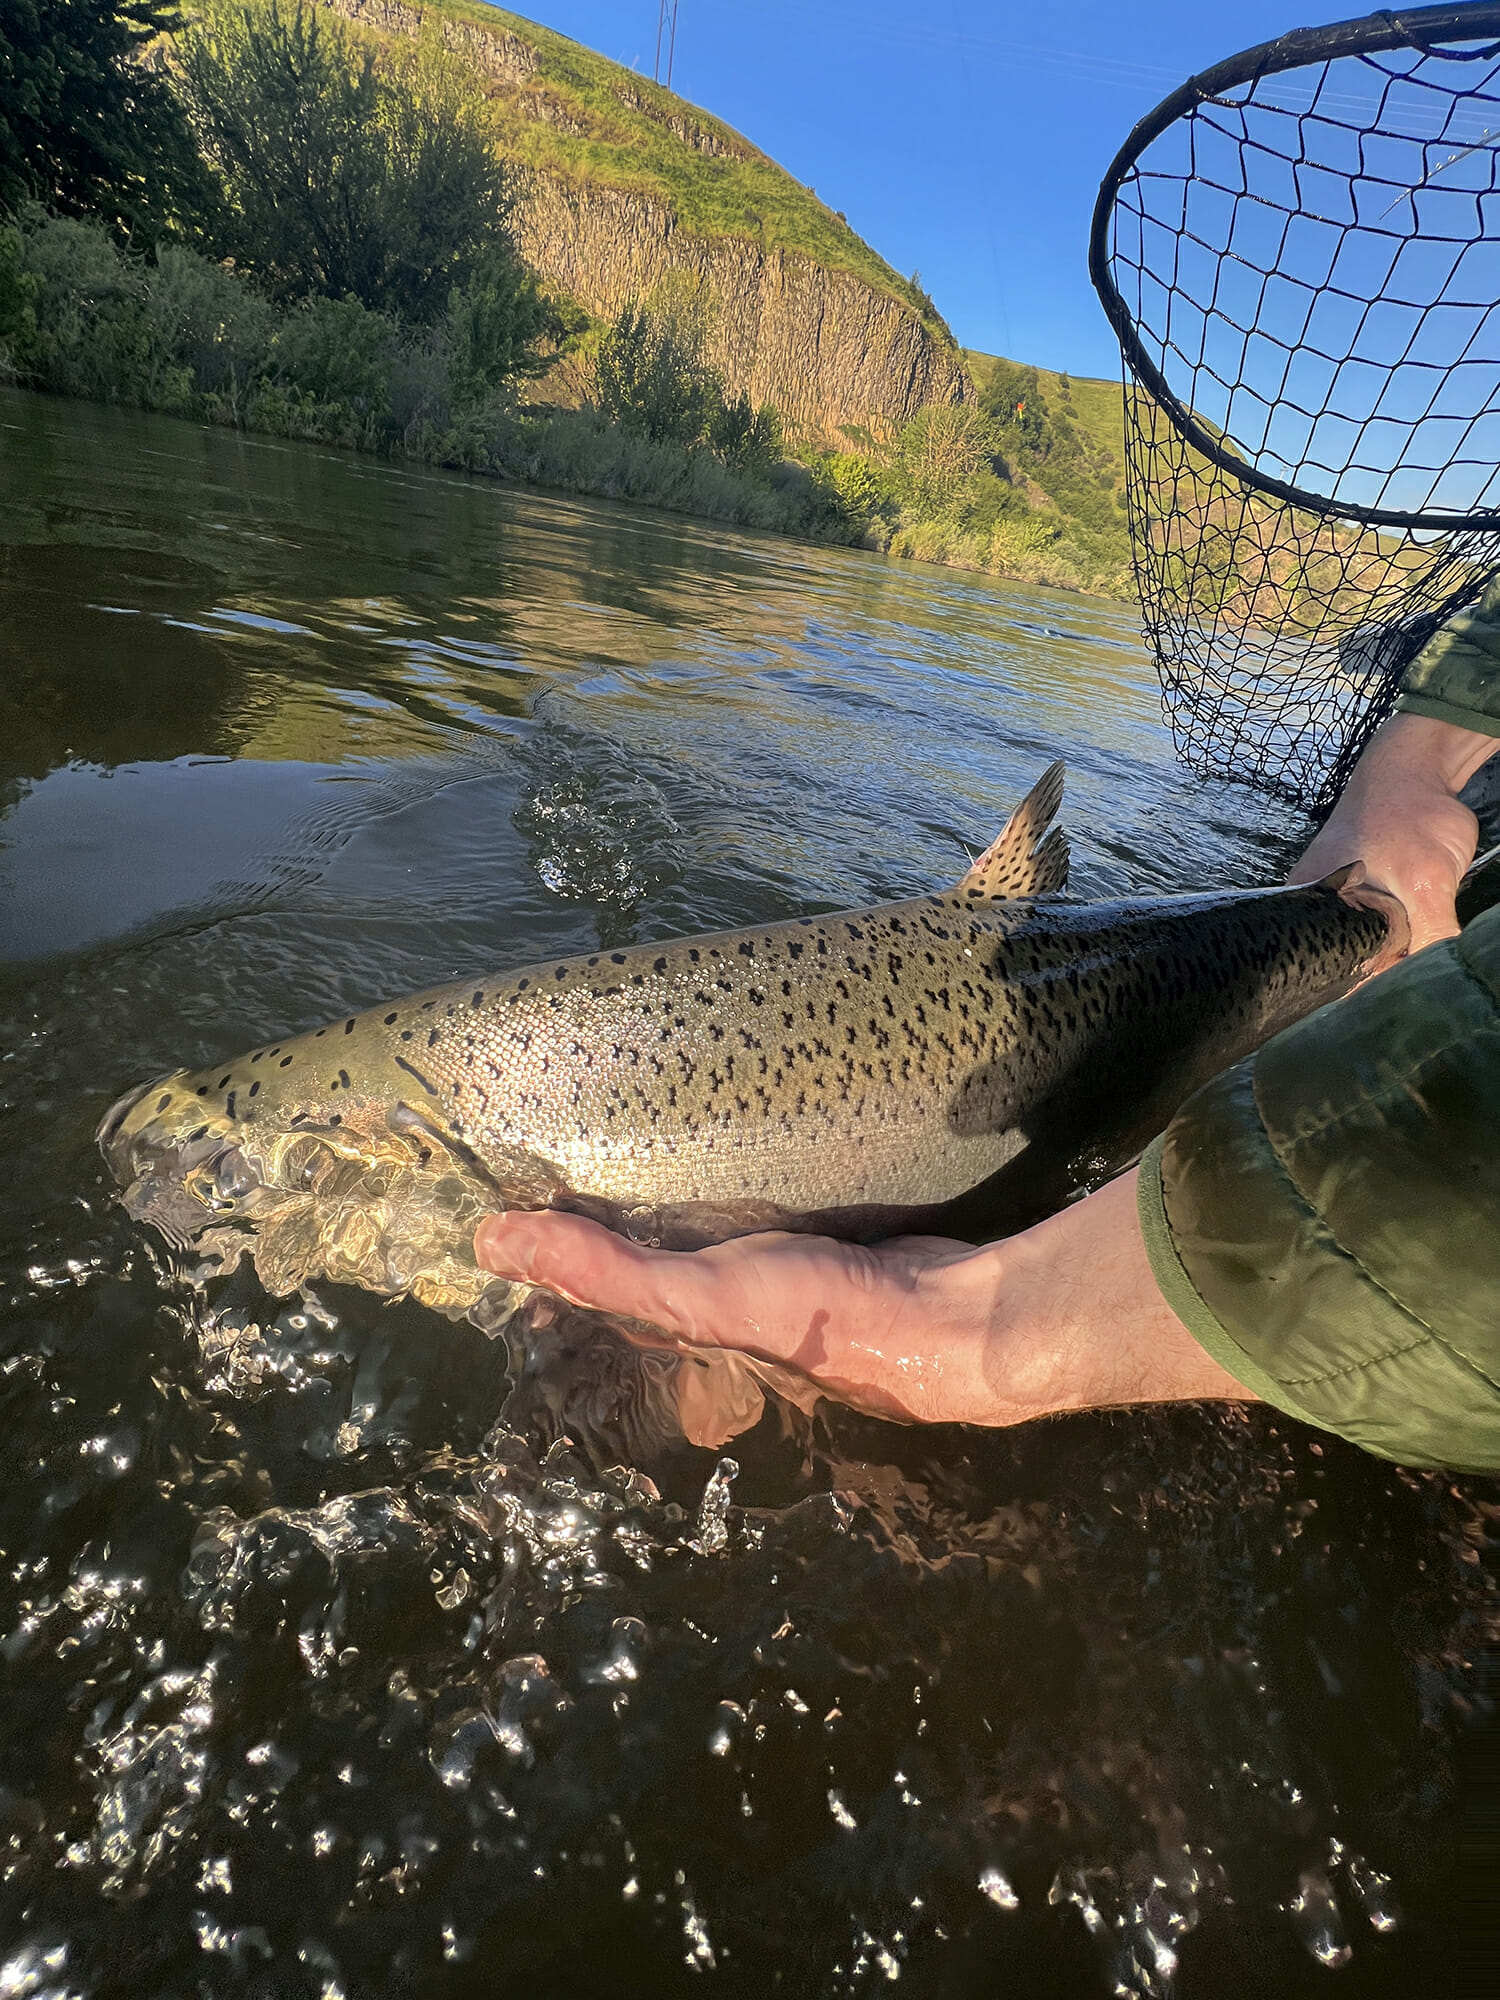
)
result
[(328, 1666)]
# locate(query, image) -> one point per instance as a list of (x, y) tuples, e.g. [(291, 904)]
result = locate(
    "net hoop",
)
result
[(1426, 30)]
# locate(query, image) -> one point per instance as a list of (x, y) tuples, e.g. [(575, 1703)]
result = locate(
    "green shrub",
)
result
[(748, 440), (18, 290), (206, 325), (93, 335), (862, 488), (337, 357)]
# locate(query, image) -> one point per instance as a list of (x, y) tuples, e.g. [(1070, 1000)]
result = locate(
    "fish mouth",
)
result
[(180, 1170), (161, 1126)]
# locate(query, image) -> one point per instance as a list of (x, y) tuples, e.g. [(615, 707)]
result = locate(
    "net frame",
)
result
[(1283, 610)]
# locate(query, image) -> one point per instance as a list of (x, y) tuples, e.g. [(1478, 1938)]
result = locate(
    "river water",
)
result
[(329, 1665)]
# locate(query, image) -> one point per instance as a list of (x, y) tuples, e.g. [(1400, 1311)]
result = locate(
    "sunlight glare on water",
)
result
[(347, 1652)]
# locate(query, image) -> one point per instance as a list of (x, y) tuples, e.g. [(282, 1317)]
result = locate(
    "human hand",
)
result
[(1064, 1316), (1401, 816), (884, 1328)]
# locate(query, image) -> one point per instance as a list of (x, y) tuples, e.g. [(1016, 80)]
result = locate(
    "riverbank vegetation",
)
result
[(265, 217)]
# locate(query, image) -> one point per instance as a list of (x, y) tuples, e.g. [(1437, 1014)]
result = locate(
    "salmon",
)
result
[(956, 1063)]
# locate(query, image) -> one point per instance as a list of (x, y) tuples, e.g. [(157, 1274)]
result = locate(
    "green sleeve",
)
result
[(1456, 676), (1323, 1217)]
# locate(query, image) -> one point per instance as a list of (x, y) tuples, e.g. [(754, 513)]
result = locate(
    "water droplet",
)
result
[(713, 1510), (994, 1884)]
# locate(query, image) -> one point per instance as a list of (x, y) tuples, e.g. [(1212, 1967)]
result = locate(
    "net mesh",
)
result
[(1304, 266)]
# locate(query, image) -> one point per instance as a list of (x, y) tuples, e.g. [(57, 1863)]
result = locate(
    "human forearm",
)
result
[(1065, 1316)]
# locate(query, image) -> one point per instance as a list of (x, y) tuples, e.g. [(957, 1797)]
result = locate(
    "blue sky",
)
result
[(962, 139)]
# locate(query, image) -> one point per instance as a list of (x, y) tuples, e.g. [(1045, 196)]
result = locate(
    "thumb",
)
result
[(589, 1265)]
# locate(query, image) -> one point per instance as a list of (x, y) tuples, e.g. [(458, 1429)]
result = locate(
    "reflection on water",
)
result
[(330, 1665)]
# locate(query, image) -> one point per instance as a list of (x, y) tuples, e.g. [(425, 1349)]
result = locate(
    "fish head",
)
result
[(356, 1186), (347, 1183)]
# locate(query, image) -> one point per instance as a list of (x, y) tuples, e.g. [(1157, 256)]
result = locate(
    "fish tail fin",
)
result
[(1024, 859)]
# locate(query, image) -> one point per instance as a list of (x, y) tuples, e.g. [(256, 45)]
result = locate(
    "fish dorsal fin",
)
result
[(1024, 859)]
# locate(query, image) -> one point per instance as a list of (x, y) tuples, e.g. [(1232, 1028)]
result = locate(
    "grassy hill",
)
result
[(1063, 438), (625, 191), (583, 117)]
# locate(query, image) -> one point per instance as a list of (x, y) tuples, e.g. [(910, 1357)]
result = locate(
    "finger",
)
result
[(582, 1261)]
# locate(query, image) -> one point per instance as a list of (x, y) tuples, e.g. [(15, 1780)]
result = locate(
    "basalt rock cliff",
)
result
[(625, 186)]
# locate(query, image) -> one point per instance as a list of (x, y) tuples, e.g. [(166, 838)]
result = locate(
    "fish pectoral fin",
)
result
[(1024, 859)]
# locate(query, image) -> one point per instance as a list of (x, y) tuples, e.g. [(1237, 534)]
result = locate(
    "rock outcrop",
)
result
[(821, 345), (828, 347)]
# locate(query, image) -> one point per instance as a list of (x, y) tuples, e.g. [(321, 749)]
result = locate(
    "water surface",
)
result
[(329, 1665)]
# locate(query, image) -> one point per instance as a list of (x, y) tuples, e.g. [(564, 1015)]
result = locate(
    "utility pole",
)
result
[(666, 30)]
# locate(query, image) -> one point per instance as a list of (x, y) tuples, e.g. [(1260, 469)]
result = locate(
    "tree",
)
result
[(747, 439), (86, 126), (942, 449), (1014, 401), (650, 376), (493, 325), (347, 172)]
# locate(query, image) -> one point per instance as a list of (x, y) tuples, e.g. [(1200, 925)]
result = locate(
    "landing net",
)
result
[(1300, 252)]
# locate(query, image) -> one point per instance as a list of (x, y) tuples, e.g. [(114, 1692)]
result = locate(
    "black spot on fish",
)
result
[(349, 1025), (166, 1099), (344, 1078), (201, 1091), (402, 1063), (336, 1118), (285, 1063), (193, 1137), (406, 1034), (433, 1037), (255, 1092), (522, 984), (562, 972), (320, 1034), (616, 958), (390, 1020), (747, 950), (223, 1083), (478, 1000), (229, 1102), (658, 965)]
